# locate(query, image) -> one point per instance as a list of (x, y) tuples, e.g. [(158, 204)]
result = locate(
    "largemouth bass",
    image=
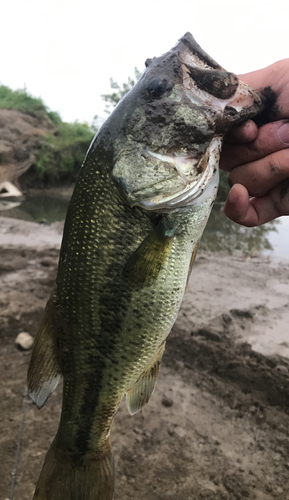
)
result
[(138, 211)]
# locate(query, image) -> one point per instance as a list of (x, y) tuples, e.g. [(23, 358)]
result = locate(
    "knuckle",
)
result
[(278, 163), (261, 146)]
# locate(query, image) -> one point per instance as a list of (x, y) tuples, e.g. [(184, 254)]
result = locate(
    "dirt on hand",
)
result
[(217, 425)]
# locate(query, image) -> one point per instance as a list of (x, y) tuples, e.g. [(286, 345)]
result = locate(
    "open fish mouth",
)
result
[(173, 136), (195, 184)]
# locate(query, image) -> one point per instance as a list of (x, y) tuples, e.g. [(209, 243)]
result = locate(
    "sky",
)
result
[(65, 51)]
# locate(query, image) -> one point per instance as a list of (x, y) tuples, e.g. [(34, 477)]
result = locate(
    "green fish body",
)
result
[(138, 211)]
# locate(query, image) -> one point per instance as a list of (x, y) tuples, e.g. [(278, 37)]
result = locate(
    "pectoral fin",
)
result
[(44, 371), (140, 393), (148, 260)]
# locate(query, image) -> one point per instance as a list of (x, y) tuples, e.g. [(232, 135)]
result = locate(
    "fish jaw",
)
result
[(180, 110)]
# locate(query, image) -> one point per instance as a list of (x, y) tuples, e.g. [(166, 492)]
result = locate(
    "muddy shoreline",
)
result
[(217, 424)]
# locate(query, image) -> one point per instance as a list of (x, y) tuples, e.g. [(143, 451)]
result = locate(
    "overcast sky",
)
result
[(65, 51)]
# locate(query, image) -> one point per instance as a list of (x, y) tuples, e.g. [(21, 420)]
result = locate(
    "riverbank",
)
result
[(217, 424)]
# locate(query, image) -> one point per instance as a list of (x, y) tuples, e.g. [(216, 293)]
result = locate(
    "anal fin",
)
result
[(44, 372), (140, 393)]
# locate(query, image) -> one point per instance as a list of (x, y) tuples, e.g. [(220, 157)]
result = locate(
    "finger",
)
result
[(262, 175), (245, 133), (238, 207), (256, 211), (271, 137)]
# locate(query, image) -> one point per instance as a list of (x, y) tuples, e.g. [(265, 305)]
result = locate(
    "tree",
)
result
[(112, 99), (119, 91)]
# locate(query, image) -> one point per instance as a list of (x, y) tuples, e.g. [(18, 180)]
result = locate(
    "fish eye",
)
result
[(157, 87)]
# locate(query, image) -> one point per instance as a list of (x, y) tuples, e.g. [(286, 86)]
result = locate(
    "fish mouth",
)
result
[(195, 185), (220, 91), (171, 154)]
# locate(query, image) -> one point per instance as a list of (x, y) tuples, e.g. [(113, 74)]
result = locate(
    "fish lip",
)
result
[(192, 191), (245, 100), (245, 103)]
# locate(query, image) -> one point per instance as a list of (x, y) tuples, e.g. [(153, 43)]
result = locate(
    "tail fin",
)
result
[(64, 478)]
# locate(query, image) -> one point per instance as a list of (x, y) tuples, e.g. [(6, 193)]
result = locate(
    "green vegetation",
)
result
[(119, 91), (24, 102), (61, 150)]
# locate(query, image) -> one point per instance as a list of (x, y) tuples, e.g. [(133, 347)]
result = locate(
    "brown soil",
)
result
[(20, 139), (217, 426)]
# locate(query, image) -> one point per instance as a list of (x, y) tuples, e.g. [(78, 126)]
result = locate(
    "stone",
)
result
[(24, 341)]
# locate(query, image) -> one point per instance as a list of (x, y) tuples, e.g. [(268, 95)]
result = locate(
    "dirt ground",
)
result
[(217, 426)]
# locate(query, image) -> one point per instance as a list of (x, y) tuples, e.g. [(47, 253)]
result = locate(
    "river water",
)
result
[(221, 235)]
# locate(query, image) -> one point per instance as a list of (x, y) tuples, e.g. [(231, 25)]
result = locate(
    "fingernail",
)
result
[(283, 134), (233, 196)]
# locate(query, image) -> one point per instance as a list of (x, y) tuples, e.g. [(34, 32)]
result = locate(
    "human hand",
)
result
[(258, 159)]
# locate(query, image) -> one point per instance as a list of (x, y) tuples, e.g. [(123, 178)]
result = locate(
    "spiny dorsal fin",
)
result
[(141, 391), (146, 262), (44, 371)]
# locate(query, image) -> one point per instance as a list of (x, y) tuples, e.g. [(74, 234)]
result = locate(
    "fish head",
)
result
[(166, 151)]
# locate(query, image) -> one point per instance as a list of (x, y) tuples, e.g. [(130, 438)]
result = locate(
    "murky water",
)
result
[(36, 208), (221, 235)]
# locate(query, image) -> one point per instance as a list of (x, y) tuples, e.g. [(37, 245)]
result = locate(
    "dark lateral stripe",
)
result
[(90, 401), (113, 304)]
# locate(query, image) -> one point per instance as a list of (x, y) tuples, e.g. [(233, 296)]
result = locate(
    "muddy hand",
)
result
[(258, 159)]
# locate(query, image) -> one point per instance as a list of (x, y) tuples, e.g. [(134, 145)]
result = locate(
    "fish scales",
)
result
[(134, 222), (105, 304)]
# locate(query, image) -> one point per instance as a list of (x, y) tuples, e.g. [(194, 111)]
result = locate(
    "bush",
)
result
[(61, 150), (62, 153), (24, 102)]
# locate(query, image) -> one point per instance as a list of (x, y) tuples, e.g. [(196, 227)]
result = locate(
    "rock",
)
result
[(167, 402), (7, 189), (282, 369), (47, 262), (24, 341), (242, 313), (208, 334)]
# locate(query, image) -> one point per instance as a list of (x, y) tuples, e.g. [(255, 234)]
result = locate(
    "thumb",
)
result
[(260, 78)]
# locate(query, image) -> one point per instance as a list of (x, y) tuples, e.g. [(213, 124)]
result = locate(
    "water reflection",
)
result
[(224, 236), (39, 208), (8, 205)]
